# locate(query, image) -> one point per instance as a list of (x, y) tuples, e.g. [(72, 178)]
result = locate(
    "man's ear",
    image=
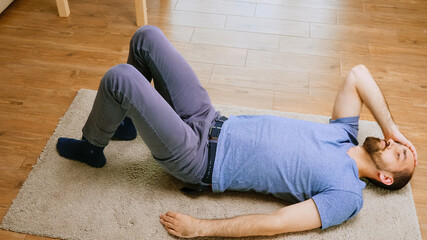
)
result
[(386, 178)]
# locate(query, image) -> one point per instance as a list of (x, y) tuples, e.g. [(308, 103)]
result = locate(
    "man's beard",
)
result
[(372, 145)]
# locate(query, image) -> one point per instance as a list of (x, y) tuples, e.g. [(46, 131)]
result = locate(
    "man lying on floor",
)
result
[(315, 166)]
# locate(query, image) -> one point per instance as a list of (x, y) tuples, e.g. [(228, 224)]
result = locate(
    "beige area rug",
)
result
[(69, 200)]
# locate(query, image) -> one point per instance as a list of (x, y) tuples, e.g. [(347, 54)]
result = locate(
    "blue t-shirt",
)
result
[(294, 160)]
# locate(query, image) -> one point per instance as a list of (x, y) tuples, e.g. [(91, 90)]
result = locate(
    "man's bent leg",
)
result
[(124, 91), (155, 57)]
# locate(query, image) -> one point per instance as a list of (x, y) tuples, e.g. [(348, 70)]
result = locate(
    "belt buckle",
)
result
[(213, 127), (217, 126)]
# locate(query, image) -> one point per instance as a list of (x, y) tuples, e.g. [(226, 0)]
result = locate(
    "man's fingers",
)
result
[(413, 150), (415, 155), (398, 136)]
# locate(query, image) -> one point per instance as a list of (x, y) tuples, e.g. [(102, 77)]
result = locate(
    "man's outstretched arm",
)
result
[(297, 217), (360, 88)]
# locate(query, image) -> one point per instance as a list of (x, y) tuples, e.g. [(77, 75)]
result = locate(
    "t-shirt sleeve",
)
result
[(337, 206), (351, 126)]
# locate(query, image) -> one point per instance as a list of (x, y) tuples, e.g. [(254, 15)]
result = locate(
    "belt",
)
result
[(214, 132), (206, 181)]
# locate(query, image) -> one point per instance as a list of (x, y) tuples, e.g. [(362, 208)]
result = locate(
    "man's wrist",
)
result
[(390, 130)]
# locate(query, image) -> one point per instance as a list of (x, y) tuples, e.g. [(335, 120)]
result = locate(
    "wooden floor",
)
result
[(286, 55)]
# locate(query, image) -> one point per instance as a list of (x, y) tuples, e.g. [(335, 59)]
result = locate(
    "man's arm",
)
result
[(297, 217), (360, 88)]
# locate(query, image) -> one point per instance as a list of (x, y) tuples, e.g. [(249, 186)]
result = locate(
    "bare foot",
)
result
[(180, 225)]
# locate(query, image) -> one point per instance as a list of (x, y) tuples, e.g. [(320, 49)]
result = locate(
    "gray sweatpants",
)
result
[(173, 119)]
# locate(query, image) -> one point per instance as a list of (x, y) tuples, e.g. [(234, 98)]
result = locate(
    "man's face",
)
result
[(389, 155)]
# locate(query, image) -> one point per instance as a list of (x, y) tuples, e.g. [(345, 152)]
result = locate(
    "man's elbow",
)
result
[(359, 75), (361, 72)]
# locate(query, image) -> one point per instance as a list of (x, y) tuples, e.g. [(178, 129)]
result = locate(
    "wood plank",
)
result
[(51, 20), (380, 21), (270, 26), (406, 8), (303, 103), (321, 47), (193, 19), (49, 99), (29, 237), (67, 40), (274, 80), (211, 54), (54, 79), (9, 96), (88, 79), (351, 5), (11, 160), (413, 38), (81, 59), (13, 34), (122, 27), (349, 61), (296, 13), (11, 181), (402, 114), (325, 86), (416, 134), (29, 162), (174, 32), (3, 211), (398, 59), (352, 34), (20, 126), (240, 96), (293, 62), (388, 82), (217, 6), (99, 9), (418, 97), (235, 39), (90, 22), (25, 144), (6, 235)]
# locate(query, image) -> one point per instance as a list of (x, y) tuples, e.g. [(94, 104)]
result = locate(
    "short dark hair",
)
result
[(400, 178)]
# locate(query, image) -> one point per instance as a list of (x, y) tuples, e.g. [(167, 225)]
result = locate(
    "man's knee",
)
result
[(147, 33), (119, 74)]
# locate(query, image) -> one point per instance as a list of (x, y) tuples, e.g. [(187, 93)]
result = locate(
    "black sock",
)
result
[(81, 150), (126, 131)]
